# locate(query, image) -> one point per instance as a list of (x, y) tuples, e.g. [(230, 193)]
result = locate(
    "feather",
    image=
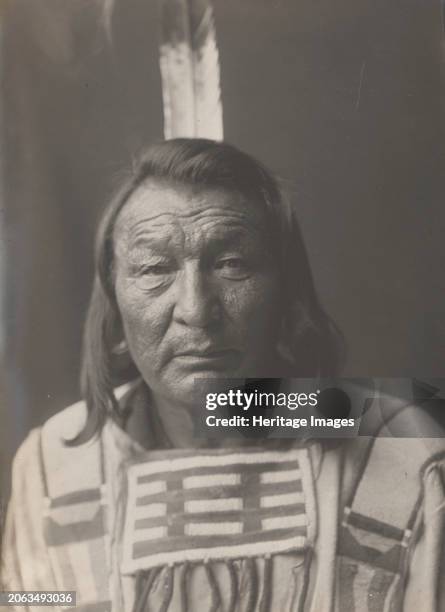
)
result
[(107, 14), (189, 63)]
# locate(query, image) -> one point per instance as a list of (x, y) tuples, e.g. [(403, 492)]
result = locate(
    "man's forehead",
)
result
[(155, 205)]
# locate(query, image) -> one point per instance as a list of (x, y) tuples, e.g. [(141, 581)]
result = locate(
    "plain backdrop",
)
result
[(344, 100)]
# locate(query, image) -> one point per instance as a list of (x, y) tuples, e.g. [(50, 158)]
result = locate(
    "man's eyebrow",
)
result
[(239, 239), (145, 243), (237, 234)]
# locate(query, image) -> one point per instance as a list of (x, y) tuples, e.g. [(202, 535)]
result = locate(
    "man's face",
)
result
[(196, 289)]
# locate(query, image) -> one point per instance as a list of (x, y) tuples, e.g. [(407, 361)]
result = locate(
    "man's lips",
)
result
[(223, 357), (205, 353)]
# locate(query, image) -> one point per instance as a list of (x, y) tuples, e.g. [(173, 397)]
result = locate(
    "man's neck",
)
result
[(176, 421)]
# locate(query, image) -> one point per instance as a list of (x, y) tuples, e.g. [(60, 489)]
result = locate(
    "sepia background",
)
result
[(344, 100)]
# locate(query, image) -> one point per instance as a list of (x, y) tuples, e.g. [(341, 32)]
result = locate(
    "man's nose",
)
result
[(197, 303)]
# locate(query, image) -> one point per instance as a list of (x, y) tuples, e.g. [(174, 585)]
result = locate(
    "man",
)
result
[(201, 272)]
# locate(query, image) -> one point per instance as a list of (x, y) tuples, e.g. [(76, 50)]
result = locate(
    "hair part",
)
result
[(201, 164)]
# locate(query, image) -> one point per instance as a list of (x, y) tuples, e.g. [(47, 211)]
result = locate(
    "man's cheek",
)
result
[(241, 300), (253, 307), (142, 342), (261, 321)]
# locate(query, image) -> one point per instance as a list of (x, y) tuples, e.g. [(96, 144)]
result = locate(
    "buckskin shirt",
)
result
[(355, 526)]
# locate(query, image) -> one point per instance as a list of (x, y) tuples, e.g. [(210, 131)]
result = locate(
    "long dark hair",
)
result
[(311, 343)]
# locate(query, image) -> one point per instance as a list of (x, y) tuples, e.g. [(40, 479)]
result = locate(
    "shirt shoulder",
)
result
[(69, 422), (63, 467)]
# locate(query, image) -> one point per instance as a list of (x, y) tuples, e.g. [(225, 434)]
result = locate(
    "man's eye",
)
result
[(156, 275), (233, 267), (156, 269), (230, 262)]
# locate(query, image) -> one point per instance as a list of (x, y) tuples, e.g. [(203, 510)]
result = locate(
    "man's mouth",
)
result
[(218, 358)]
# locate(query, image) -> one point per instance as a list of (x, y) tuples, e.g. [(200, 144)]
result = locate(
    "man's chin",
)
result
[(192, 389)]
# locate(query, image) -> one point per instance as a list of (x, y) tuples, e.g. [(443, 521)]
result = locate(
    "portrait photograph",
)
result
[(222, 299)]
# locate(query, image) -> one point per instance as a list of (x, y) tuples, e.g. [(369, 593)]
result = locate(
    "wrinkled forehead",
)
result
[(159, 208)]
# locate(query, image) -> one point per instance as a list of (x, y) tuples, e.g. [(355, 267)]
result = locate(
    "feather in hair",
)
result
[(107, 13), (189, 63)]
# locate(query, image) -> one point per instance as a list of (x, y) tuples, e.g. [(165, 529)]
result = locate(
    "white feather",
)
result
[(107, 9), (189, 63)]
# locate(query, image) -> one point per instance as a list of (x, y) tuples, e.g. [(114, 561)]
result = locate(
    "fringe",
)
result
[(216, 597), (144, 582), (304, 590), (140, 575), (146, 578), (183, 587), (168, 589), (253, 589), (267, 585), (233, 586)]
